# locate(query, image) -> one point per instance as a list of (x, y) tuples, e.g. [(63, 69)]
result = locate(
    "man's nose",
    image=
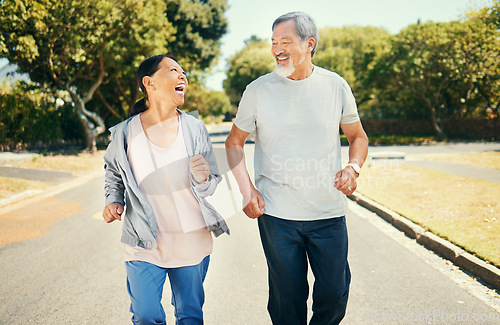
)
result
[(278, 51)]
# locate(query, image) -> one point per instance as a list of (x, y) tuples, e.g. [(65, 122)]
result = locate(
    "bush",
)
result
[(31, 118)]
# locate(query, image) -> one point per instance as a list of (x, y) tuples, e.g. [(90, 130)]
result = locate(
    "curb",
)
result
[(30, 196), (466, 261)]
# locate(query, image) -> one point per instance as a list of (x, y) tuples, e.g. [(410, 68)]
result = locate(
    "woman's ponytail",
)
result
[(138, 107)]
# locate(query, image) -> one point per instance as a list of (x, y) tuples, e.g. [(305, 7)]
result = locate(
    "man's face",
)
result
[(287, 48)]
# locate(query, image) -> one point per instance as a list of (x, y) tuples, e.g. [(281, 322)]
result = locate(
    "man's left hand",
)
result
[(345, 181)]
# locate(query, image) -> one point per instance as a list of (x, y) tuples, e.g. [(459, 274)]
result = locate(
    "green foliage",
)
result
[(252, 61), (199, 26), (74, 45), (92, 48), (352, 52), (441, 68), (29, 115), (216, 103), (487, 15), (206, 102)]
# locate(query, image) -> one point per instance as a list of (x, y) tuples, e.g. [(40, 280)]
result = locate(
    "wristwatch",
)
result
[(355, 166)]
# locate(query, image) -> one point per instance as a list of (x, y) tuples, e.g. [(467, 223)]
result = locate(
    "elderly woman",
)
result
[(159, 169)]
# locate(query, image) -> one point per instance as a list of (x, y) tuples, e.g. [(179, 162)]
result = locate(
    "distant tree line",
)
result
[(428, 71), (82, 57)]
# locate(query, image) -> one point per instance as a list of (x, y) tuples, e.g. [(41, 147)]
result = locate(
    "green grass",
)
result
[(10, 186), (77, 163), (465, 211)]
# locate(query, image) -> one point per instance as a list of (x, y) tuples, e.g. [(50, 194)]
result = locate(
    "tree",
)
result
[(198, 26), (487, 20), (208, 103), (253, 61), (439, 66), (352, 52), (74, 45), (31, 115)]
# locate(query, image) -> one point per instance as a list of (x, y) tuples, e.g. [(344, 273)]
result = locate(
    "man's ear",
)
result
[(147, 81), (311, 43)]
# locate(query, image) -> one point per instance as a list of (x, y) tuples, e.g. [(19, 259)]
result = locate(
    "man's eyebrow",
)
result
[(282, 37)]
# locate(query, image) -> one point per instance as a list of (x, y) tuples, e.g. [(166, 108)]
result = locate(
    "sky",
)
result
[(255, 17)]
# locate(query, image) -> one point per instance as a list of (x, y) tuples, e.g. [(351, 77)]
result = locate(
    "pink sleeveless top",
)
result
[(163, 175)]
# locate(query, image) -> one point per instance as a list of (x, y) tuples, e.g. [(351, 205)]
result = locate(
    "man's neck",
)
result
[(302, 72)]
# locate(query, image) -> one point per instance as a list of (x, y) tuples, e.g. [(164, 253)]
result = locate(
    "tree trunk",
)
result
[(437, 125), (92, 123), (87, 118)]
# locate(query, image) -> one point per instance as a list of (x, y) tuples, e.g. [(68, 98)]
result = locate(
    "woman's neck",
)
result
[(159, 112)]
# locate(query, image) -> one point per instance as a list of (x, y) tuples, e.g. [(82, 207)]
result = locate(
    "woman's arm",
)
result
[(113, 187)]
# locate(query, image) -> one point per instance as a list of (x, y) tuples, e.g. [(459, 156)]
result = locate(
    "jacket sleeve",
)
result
[(204, 148), (113, 183)]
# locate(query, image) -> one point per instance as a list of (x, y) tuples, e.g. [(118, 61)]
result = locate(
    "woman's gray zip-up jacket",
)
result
[(139, 223)]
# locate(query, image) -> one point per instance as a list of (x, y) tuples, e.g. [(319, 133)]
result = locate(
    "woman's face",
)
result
[(170, 82)]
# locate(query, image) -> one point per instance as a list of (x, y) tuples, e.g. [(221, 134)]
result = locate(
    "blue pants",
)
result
[(145, 286), (288, 246)]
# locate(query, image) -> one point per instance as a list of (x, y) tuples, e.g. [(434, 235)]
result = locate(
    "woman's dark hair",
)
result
[(148, 67)]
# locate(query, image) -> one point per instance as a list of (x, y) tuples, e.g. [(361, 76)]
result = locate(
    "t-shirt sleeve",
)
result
[(246, 116), (349, 108)]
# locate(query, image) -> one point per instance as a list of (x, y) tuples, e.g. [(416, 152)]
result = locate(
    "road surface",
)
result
[(68, 269)]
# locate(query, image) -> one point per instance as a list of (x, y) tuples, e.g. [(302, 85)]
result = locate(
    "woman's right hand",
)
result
[(112, 212)]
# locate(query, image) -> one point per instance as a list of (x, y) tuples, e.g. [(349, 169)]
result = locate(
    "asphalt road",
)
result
[(72, 272)]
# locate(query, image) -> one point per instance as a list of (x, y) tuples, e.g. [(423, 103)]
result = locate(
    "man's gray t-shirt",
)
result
[(297, 150)]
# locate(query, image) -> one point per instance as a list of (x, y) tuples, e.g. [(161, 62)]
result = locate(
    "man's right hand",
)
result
[(112, 212), (253, 203)]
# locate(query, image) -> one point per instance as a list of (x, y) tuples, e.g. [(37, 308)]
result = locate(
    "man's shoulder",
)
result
[(327, 77), (263, 80), (325, 73)]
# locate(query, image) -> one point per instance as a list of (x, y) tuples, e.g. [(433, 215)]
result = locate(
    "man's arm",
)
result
[(253, 201), (345, 180)]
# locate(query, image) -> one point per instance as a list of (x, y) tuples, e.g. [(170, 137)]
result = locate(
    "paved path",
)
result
[(46, 176), (450, 168), (487, 174), (72, 272)]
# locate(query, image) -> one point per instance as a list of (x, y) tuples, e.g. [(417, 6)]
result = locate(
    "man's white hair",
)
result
[(305, 27)]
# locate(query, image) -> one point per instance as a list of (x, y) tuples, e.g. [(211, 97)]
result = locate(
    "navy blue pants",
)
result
[(289, 247)]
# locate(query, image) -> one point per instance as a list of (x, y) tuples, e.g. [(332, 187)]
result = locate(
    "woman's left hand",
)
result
[(199, 168)]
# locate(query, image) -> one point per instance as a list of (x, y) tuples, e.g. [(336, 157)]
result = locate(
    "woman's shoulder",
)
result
[(190, 120), (120, 128)]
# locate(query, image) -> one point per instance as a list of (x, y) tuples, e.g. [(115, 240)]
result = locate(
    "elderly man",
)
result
[(300, 194)]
